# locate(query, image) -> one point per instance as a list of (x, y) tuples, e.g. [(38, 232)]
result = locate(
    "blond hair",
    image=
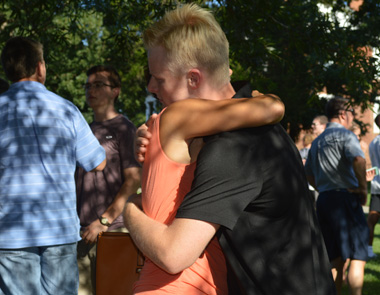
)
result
[(308, 139), (192, 38)]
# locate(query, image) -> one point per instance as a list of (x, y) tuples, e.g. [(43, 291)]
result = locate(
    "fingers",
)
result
[(142, 139), (256, 93), (140, 157), (151, 119), (90, 234), (140, 148), (370, 175), (86, 236)]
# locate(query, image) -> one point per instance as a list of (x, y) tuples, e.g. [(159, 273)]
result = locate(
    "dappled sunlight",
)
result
[(38, 136)]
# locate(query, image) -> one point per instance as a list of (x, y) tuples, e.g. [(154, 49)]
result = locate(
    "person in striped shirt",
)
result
[(43, 137)]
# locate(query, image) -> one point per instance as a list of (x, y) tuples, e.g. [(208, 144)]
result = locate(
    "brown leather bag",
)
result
[(118, 263)]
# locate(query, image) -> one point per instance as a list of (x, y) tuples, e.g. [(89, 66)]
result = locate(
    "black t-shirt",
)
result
[(252, 182)]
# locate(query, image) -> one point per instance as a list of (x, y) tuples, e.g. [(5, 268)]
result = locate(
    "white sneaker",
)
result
[(370, 253)]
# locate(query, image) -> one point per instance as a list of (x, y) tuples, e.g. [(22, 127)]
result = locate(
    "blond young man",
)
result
[(167, 173), (188, 57)]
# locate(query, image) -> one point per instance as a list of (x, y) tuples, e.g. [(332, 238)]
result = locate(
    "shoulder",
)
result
[(375, 142), (240, 144), (52, 97), (123, 122)]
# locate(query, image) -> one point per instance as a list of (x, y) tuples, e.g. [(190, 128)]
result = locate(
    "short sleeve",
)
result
[(352, 147), (220, 190), (88, 151)]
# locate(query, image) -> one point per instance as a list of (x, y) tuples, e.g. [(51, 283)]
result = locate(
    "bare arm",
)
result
[(359, 166), (173, 247), (129, 187), (101, 166), (191, 118), (197, 117)]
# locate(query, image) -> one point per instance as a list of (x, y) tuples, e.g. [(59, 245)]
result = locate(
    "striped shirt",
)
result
[(43, 137)]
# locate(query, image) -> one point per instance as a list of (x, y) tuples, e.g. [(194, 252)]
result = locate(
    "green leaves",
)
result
[(293, 49), (289, 48)]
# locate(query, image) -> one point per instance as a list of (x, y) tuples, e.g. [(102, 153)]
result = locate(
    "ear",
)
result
[(343, 116), (40, 74), (116, 91), (194, 78)]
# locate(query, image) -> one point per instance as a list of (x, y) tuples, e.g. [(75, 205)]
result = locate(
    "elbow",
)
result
[(279, 111), (174, 264), (173, 267), (101, 166)]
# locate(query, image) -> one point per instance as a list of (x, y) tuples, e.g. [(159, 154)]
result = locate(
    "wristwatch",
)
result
[(104, 221)]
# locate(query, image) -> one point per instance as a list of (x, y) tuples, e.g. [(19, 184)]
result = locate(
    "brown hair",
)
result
[(20, 58), (113, 76), (335, 105)]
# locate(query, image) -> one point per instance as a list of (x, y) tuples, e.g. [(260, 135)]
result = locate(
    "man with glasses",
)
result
[(336, 168), (101, 196)]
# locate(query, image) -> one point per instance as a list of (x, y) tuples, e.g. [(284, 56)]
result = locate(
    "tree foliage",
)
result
[(286, 47), (292, 49)]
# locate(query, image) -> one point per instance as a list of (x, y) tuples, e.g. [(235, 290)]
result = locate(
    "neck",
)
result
[(208, 92), (29, 79), (228, 91), (104, 114), (339, 121)]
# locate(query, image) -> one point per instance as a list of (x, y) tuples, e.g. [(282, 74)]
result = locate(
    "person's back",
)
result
[(331, 156), (271, 239), (43, 138), (38, 149), (336, 168)]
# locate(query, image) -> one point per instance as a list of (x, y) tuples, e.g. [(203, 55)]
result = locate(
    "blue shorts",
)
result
[(343, 224), (39, 270)]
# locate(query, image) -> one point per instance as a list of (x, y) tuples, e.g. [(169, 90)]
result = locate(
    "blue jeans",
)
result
[(39, 270)]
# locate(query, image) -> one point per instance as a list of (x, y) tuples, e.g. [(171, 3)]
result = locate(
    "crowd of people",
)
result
[(337, 163), (229, 205)]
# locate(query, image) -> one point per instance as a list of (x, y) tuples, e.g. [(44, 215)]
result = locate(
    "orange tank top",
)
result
[(164, 185)]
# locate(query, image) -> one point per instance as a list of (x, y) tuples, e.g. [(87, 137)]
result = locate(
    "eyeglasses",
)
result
[(96, 85), (351, 110)]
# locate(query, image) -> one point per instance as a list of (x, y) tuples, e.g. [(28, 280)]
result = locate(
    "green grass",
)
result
[(372, 270)]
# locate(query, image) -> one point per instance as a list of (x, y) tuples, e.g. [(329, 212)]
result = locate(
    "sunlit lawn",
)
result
[(372, 270)]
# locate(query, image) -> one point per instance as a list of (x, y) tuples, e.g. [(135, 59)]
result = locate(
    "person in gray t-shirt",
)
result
[(101, 196)]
